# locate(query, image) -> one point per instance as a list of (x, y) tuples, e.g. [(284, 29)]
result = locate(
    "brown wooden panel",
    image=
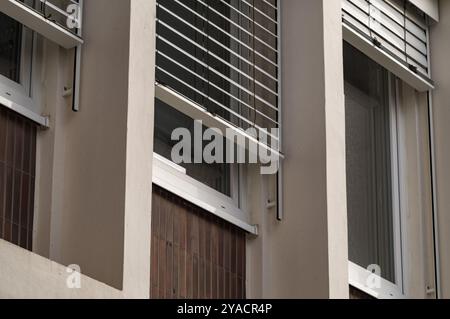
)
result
[(194, 254), (17, 176), (358, 294)]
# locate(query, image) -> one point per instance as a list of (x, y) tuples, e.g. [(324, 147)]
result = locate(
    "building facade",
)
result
[(317, 167)]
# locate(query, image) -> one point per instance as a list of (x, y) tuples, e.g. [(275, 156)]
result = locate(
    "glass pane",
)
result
[(369, 176), (10, 47), (216, 176)]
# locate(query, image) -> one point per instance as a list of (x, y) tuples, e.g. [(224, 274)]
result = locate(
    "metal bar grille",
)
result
[(65, 13), (223, 55), (396, 26)]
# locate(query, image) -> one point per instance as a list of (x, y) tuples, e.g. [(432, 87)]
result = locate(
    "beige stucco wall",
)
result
[(305, 255), (440, 48), (139, 154), (24, 274), (415, 193), (89, 150), (93, 189)]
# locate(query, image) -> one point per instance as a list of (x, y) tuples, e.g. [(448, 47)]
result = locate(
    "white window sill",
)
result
[(24, 111), (359, 278), (173, 178)]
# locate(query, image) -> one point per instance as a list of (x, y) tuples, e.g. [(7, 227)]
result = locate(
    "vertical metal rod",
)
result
[(280, 213)]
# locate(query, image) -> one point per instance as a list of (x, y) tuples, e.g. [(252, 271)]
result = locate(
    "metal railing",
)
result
[(64, 13)]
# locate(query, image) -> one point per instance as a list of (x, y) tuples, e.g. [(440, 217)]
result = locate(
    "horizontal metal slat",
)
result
[(221, 58), (401, 32)]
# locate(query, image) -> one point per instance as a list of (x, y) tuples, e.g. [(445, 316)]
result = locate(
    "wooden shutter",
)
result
[(17, 178), (193, 253)]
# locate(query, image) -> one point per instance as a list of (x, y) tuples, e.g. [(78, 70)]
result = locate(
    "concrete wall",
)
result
[(24, 274), (415, 193), (305, 255), (93, 197), (440, 48), (139, 154), (89, 151)]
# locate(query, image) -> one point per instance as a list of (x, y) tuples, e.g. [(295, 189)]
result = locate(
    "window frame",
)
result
[(37, 22), (358, 276), (21, 96), (173, 178), (21, 90), (170, 175)]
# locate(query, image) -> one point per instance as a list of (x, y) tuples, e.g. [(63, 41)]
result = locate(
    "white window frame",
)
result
[(359, 277), (20, 96), (173, 178)]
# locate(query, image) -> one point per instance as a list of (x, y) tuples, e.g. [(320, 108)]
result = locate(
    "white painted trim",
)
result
[(38, 23), (359, 278), (173, 178), (429, 7), (17, 96), (396, 177), (437, 262), (24, 111), (382, 58)]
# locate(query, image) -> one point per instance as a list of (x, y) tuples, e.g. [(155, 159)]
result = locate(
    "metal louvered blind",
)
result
[(57, 11), (222, 55), (396, 26)]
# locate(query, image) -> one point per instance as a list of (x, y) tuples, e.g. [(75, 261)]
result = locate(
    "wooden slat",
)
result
[(194, 254), (17, 177)]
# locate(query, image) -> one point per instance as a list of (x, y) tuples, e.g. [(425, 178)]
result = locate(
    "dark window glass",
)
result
[(369, 176), (10, 47), (167, 119)]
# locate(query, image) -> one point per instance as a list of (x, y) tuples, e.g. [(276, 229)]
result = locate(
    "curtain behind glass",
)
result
[(369, 179)]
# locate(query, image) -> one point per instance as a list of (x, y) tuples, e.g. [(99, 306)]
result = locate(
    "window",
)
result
[(17, 135), (216, 61), (372, 174), (16, 52), (213, 187), (10, 48), (167, 119), (15, 55)]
